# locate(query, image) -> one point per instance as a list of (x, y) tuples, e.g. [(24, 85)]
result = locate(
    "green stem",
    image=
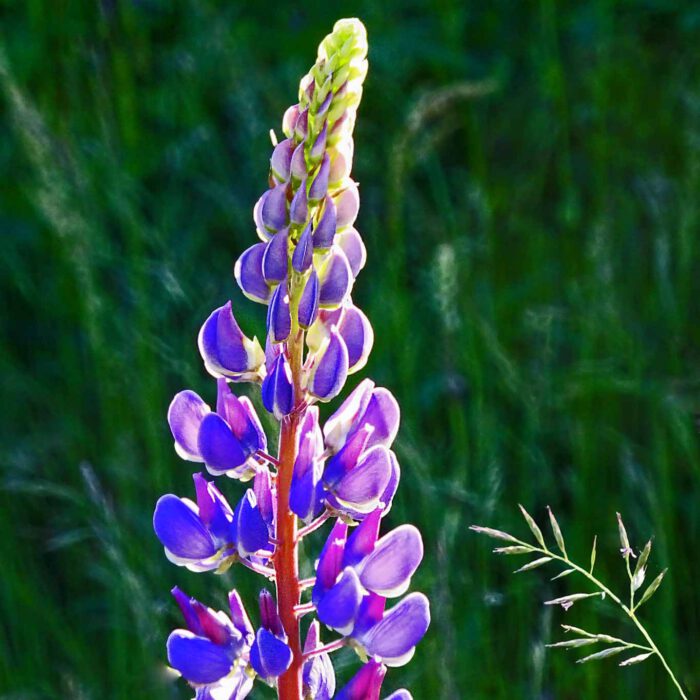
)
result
[(628, 611)]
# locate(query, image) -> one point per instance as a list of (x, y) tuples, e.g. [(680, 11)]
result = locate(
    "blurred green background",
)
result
[(533, 279)]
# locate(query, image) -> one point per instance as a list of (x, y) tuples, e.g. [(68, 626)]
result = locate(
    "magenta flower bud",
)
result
[(330, 368), (319, 184), (279, 319), (347, 204), (273, 210), (350, 242), (326, 227), (361, 542), (336, 279), (281, 160), (275, 258), (366, 684), (304, 251), (249, 274), (308, 304), (225, 350), (277, 389), (298, 164), (299, 208)]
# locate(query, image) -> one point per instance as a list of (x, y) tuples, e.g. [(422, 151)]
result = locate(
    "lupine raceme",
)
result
[(303, 269)]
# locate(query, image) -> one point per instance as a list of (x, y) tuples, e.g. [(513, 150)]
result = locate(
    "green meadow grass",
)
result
[(530, 179)]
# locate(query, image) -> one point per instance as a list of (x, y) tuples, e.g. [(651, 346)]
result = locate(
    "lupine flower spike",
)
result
[(303, 268)]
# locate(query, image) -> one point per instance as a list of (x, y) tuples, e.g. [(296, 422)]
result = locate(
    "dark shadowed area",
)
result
[(530, 183)]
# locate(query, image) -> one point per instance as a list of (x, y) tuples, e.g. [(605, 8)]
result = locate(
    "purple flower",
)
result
[(225, 440), (270, 655), (226, 351), (391, 636), (365, 684), (329, 368), (212, 652), (306, 498), (208, 535), (277, 389), (367, 405), (318, 675)]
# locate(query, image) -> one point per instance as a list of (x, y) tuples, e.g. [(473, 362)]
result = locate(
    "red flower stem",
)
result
[(286, 561)]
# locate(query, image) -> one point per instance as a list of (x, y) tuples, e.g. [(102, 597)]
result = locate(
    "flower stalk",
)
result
[(344, 471)]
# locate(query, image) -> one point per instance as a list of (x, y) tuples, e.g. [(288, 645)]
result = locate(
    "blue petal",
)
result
[(326, 227), (298, 165), (274, 208), (279, 319), (222, 344), (275, 259), (344, 461), (319, 185), (218, 446), (395, 558), (351, 244), (214, 510), (180, 530), (249, 274), (269, 656), (338, 606), (319, 145), (240, 416), (303, 253), (394, 638), (277, 389), (336, 279), (362, 487), (251, 530), (331, 369), (280, 162), (309, 302), (198, 659), (402, 694), (299, 208), (358, 336), (185, 415)]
